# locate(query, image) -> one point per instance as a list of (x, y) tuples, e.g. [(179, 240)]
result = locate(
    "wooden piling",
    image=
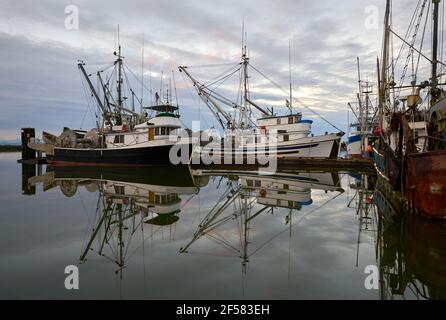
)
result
[(26, 135)]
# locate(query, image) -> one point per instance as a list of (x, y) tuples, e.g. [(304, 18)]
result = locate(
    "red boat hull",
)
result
[(425, 183)]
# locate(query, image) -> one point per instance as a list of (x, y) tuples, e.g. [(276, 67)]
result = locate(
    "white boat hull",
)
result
[(325, 146)]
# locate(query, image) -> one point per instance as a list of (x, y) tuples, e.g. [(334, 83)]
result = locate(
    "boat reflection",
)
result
[(250, 194), (127, 200), (245, 212), (411, 251)]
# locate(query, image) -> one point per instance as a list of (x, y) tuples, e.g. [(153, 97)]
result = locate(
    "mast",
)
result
[(361, 111), (142, 77), (245, 60), (435, 45), (289, 67), (119, 61), (384, 67)]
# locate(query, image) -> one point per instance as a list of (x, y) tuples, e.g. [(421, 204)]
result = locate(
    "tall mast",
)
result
[(245, 60), (289, 67), (142, 76), (119, 77), (384, 62), (435, 44), (361, 113)]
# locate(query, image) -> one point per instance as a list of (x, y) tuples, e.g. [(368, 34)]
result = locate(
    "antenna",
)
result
[(119, 42), (243, 33), (142, 75), (289, 67), (161, 86), (150, 84), (114, 39), (175, 87)]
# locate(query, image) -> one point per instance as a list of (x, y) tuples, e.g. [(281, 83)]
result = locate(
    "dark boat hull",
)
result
[(153, 155), (425, 180), (421, 178)]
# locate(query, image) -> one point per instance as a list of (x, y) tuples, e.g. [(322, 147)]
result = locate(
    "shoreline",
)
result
[(10, 148)]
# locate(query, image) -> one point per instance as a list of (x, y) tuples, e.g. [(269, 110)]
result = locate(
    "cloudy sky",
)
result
[(41, 87)]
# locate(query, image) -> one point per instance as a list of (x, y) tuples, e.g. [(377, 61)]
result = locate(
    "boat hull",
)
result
[(354, 146), (425, 182), (326, 146), (140, 156)]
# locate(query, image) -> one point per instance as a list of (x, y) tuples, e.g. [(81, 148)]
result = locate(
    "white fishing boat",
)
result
[(270, 134), (122, 136), (361, 133)]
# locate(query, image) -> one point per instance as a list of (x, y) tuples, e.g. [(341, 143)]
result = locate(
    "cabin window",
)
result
[(286, 187), (119, 190), (286, 137), (278, 120), (157, 131), (258, 183), (249, 183), (290, 120), (119, 139)]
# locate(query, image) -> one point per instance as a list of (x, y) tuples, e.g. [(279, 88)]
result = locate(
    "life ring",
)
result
[(262, 193)]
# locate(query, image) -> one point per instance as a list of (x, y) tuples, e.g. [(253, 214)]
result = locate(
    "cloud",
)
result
[(41, 86)]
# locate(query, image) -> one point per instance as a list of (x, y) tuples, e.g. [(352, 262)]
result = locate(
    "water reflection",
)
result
[(135, 206), (247, 195), (129, 200), (410, 250), (126, 201)]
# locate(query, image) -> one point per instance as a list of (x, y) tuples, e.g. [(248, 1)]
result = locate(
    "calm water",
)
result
[(169, 234)]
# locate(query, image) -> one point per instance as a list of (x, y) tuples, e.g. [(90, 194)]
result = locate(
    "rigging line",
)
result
[(215, 94), (223, 242), (199, 86), (409, 28), (88, 98), (212, 65), (139, 80), (222, 79), (422, 38), (411, 45), (295, 223), (194, 99), (296, 99), (222, 75)]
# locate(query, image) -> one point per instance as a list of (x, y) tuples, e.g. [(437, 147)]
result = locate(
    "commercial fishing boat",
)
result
[(362, 131), (271, 133), (123, 136), (411, 154)]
